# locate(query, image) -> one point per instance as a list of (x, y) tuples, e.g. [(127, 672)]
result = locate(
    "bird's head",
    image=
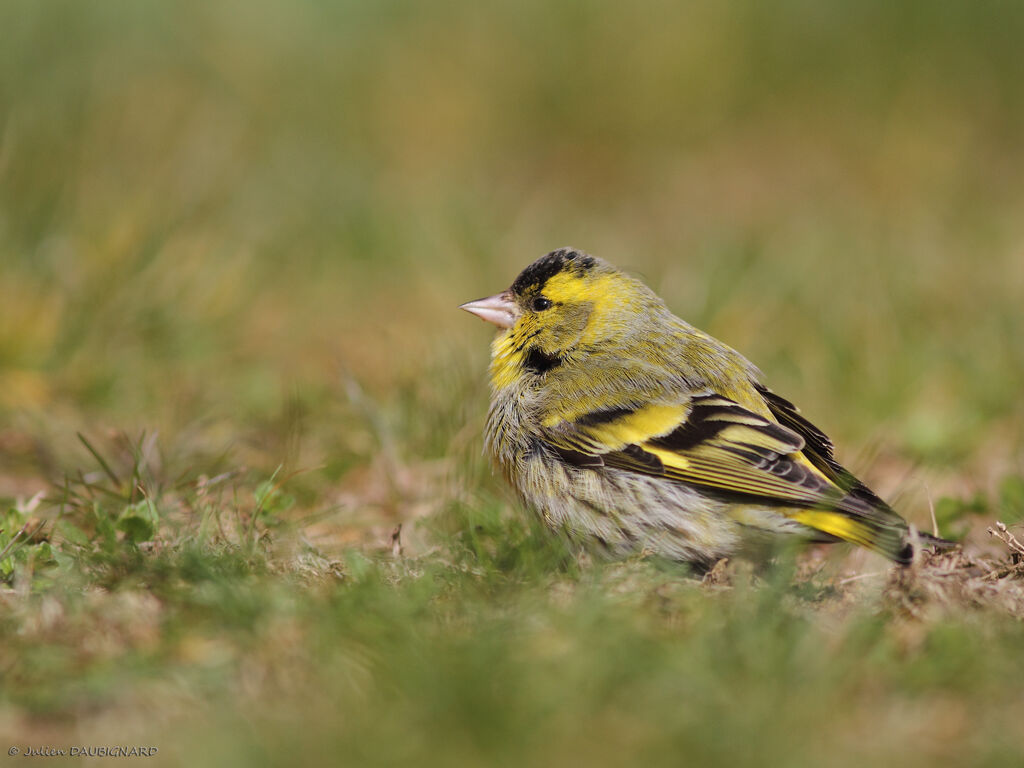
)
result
[(561, 304)]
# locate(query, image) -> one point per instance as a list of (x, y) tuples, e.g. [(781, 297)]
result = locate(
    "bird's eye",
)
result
[(541, 303)]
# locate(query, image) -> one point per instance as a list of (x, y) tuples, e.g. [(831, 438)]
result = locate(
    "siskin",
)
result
[(624, 426)]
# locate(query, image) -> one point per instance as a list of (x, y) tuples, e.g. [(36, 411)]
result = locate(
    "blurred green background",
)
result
[(207, 206), (245, 227)]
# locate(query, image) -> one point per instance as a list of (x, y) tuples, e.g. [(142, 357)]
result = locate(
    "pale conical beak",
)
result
[(500, 309)]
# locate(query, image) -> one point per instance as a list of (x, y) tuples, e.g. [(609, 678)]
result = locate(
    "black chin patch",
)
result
[(546, 267), (537, 361)]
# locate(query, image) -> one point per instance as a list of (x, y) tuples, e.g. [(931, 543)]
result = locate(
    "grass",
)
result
[(245, 515)]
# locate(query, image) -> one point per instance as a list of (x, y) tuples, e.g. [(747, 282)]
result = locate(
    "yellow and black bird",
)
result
[(622, 425)]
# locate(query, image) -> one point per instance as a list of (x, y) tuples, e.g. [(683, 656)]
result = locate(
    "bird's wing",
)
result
[(713, 443), (818, 447)]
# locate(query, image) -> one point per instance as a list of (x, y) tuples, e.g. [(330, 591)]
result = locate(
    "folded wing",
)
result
[(715, 444)]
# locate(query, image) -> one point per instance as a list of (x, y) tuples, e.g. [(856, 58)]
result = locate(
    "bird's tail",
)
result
[(879, 529)]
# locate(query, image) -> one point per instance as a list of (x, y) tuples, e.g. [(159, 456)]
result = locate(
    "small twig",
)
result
[(1002, 533), (10, 545), (21, 536), (35, 531), (396, 541)]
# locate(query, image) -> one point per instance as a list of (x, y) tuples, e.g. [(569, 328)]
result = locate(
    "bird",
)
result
[(630, 431)]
